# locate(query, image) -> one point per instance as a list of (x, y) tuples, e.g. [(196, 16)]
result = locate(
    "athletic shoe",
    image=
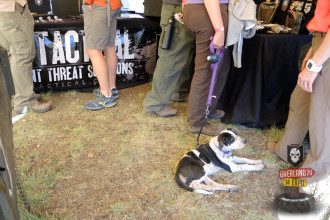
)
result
[(114, 92), (100, 102)]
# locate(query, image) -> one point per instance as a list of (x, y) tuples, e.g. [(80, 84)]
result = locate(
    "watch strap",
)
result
[(311, 66)]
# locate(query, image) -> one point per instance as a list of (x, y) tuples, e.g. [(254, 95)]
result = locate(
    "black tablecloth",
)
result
[(258, 94)]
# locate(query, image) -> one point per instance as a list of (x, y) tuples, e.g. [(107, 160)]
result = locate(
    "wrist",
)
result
[(311, 66), (220, 29)]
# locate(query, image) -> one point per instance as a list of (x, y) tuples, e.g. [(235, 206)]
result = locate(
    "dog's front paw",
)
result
[(257, 162), (259, 167), (232, 188)]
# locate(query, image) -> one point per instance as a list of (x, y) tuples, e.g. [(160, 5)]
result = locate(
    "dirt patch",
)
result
[(119, 163)]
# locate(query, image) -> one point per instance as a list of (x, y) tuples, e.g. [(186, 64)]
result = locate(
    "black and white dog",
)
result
[(197, 165)]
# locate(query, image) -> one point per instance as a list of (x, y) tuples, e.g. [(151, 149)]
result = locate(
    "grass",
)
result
[(119, 163), (274, 133)]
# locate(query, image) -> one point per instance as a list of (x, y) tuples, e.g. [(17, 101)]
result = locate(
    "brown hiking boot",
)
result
[(166, 112), (42, 107), (38, 97), (38, 107), (217, 115), (208, 129)]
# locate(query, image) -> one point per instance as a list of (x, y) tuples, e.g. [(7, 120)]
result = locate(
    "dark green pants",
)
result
[(17, 37), (173, 65)]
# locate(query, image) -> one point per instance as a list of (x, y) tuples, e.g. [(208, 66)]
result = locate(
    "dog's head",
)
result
[(229, 140)]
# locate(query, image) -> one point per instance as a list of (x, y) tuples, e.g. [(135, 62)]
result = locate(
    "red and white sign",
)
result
[(296, 173)]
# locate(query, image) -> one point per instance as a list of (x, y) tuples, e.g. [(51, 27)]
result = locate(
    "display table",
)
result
[(258, 94), (62, 63)]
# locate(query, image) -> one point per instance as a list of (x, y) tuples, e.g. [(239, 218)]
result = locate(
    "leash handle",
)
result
[(214, 67)]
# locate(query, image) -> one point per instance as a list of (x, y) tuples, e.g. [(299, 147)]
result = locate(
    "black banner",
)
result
[(62, 62), (39, 6)]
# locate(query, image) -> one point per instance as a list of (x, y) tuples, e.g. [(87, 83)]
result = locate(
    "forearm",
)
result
[(323, 53), (213, 10)]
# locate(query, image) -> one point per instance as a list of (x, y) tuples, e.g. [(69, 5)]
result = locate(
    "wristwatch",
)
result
[(311, 66)]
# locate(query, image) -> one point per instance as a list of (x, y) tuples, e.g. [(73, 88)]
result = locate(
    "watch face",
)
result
[(309, 65)]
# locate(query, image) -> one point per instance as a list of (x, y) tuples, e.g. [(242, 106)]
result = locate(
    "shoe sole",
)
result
[(165, 116), (41, 111), (99, 108)]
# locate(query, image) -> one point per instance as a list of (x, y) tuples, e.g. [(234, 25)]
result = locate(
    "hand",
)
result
[(306, 79), (306, 59), (219, 39), (181, 16)]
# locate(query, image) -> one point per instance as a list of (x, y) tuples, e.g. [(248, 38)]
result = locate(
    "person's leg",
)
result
[(296, 126), (223, 69), (182, 88), (112, 61), (21, 50), (197, 20), (110, 51), (97, 33), (100, 68), (17, 37), (170, 63), (319, 123), (104, 98)]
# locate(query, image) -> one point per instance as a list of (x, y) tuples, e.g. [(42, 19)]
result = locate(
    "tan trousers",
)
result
[(198, 22), (311, 111), (17, 37)]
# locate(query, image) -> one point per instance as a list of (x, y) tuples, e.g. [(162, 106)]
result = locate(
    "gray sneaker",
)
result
[(114, 92), (100, 102)]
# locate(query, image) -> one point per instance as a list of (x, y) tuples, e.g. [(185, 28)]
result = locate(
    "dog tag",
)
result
[(230, 159)]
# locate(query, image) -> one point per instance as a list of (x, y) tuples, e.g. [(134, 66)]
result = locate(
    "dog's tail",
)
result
[(183, 184)]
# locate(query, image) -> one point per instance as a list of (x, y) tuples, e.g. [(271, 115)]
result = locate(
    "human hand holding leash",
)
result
[(219, 40)]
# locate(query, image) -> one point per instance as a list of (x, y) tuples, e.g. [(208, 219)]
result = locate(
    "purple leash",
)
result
[(214, 67), (214, 59)]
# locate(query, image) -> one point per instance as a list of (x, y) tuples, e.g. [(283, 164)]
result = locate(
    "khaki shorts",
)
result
[(97, 35)]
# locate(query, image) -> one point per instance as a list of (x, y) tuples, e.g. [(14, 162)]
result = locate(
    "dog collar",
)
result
[(224, 151)]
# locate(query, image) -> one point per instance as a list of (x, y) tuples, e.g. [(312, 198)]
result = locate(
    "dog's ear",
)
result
[(225, 139), (232, 130)]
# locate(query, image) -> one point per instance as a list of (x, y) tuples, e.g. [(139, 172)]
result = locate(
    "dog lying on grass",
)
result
[(197, 165)]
